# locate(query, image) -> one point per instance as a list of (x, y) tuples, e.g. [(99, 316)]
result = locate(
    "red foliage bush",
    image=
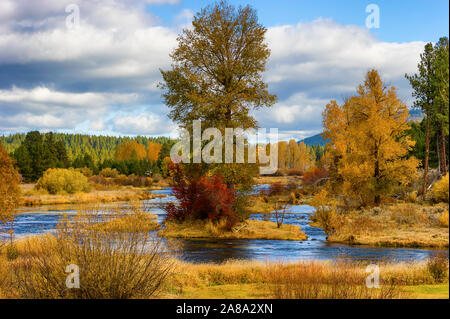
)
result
[(312, 176), (207, 197)]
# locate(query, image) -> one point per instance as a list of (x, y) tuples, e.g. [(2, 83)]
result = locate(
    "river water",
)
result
[(38, 221)]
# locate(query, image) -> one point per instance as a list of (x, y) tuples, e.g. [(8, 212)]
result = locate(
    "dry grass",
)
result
[(300, 280), (250, 229), (232, 279), (123, 194), (398, 225), (131, 220), (278, 179)]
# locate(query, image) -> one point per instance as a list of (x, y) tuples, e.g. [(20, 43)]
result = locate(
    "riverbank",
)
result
[(33, 198), (250, 229), (397, 225)]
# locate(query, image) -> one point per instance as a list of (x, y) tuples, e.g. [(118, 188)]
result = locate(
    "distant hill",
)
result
[(416, 115), (314, 140)]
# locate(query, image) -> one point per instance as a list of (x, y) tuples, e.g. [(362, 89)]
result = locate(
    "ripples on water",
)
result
[(314, 248)]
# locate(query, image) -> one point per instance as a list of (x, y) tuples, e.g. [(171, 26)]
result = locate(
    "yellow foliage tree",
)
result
[(283, 155), (134, 150), (369, 143), (9, 187), (131, 150), (153, 150), (303, 159)]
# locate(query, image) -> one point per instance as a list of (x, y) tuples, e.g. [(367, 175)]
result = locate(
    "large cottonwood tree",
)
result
[(217, 74)]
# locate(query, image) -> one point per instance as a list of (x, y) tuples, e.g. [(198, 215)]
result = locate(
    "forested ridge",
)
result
[(100, 148)]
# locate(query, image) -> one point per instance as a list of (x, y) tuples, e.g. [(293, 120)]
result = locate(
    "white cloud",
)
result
[(143, 124), (44, 108), (54, 77)]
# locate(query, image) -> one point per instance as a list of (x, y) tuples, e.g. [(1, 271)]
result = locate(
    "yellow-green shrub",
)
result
[(58, 180), (109, 172), (440, 189), (443, 219)]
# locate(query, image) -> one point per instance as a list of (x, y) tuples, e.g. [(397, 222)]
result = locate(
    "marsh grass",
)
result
[(396, 225), (251, 229), (133, 218), (33, 198)]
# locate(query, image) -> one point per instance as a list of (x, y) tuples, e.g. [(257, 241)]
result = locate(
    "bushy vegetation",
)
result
[(59, 180), (109, 172), (9, 187), (441, 189), (314, 175), (206, 197), (100, 181), (438, 267), (113, 264)]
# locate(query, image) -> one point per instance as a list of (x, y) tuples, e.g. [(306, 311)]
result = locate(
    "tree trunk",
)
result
[(442, 152), (427, 157), (377, 199)]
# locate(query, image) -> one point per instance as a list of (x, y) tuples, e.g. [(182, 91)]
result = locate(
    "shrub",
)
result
[(86, 171), (313, 175), (12, 252), (437, 266), (113, 265), (325, 214), (443, 219), (294, 172), (157, 178), (109, 172), (440, 189), (201, 198), (57, 180)]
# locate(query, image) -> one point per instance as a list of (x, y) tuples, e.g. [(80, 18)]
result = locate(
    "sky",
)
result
[(100, 76)]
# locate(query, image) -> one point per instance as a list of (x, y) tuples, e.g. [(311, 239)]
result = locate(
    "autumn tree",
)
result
[(304, 159), (131, 150), (153, 150), (369, 143), (216, 75), (9, 187), (283, 155)]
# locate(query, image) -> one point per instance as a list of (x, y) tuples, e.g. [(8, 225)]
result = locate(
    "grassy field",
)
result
[(250, 229)]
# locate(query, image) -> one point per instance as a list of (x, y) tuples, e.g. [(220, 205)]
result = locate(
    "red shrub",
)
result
[(312, 176), (201, 198)]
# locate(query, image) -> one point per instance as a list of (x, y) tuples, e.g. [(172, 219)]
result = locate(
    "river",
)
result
[(40, 220)]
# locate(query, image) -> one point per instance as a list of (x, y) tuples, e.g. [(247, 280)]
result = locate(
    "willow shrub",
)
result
[(60, 180), (111, 264)]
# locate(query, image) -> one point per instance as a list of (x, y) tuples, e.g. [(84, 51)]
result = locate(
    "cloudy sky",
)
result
[(100, 76)]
